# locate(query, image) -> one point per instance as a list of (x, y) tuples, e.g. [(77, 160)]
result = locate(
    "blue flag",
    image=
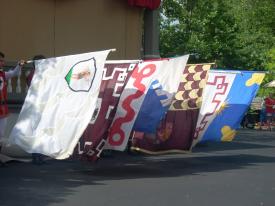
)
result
[(226, 98)]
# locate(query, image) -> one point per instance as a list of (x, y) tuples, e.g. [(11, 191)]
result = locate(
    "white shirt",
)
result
[(13, 73)]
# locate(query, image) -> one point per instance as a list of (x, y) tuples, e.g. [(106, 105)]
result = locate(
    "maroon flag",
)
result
[(115, 77), (175, 132)]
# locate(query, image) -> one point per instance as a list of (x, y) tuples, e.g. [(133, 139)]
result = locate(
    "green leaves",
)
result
[(235, 33)]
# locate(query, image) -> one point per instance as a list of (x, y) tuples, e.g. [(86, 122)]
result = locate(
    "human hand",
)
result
[(21, 62)]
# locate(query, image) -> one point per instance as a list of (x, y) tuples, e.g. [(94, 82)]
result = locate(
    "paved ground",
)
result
[(241, 173)]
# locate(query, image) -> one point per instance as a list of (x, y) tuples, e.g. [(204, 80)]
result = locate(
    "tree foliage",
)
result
[(237, 34)]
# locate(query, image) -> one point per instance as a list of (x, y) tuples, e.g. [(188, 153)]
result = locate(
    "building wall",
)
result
[(61, 27)]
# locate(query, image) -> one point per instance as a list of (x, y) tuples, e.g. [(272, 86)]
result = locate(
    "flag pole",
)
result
[(29, 61)]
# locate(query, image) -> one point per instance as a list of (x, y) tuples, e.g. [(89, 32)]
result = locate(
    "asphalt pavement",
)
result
[(238, 173)]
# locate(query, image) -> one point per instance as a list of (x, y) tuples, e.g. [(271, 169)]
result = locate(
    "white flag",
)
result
[(214, 95), (59, 104)]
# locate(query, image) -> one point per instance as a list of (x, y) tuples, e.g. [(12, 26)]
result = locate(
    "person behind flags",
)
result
[(270, 110), (37, 158), (4, 76), (30, 75)]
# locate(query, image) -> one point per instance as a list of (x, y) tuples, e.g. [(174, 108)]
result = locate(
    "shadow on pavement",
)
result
[(52, 183), (28, 184), (245, 139), (170, 166)]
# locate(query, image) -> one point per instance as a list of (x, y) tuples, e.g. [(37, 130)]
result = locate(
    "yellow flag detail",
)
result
[(227, 134), (256, 78)]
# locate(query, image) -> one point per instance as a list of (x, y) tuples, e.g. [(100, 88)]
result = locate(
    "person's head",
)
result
[(270, 95), (37, 57), (2, 61)]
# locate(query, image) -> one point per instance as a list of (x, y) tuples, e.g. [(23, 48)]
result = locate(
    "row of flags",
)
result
[(82, 104)]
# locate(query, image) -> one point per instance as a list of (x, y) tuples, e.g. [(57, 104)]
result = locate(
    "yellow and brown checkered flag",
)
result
[(189, 95)]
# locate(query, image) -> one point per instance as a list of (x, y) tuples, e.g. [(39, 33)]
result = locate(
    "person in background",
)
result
[(244, 121), (270, 110), (4, 77), (37, 158), (30, 75), (263, 114)]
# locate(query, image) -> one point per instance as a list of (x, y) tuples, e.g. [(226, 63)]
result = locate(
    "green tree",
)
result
[(205, 28), (270, 74), (256, 33), (236, 33)]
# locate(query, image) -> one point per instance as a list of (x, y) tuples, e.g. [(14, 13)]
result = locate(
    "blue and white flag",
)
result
[(226, 98), (160, 94), (59, 104)]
